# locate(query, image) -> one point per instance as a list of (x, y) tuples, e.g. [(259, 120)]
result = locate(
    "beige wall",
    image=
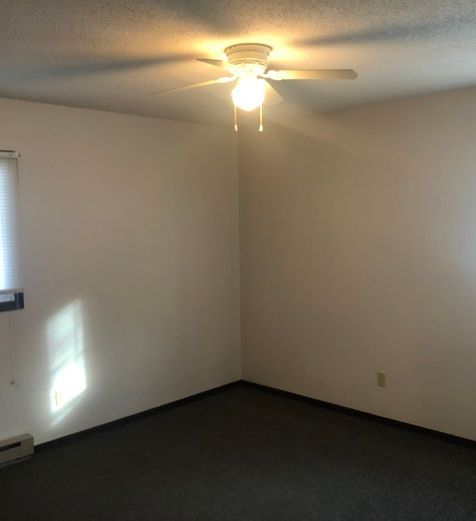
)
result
[(358, 255), (130, 235)]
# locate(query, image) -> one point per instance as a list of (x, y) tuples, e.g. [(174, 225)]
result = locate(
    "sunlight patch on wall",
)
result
[(66, 355)]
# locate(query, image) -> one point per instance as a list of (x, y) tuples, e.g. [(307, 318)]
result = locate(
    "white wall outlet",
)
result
[(381, 379), (58, 398)]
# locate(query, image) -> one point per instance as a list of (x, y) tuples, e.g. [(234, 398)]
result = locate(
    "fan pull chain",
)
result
[(260, 128), (235, 120)]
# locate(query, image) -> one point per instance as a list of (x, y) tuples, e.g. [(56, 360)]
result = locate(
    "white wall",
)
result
[(130, 237), (358, 254)]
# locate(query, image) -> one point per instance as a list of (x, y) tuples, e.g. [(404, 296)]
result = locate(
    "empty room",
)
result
[(237, 260)]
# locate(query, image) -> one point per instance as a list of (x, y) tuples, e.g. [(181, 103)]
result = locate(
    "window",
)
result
[(11, 294)]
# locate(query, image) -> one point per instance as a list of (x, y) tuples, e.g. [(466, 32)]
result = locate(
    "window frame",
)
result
[(17, 301)]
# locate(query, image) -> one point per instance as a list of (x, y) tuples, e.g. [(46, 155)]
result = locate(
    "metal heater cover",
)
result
[(16, 449)]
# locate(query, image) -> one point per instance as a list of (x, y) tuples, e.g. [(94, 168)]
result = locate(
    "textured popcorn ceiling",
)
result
[(110, 54)]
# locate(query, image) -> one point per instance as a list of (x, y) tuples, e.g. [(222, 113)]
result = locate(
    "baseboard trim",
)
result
[(365, 415), (279, 392), (148, 412)]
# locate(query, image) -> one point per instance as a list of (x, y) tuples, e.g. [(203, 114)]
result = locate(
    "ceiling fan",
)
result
[(249, 67)]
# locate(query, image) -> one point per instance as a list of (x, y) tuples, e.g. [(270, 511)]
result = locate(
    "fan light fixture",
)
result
[(248, 64), (249, 93)]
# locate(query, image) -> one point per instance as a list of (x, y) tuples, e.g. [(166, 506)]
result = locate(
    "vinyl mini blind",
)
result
[(9, 243)]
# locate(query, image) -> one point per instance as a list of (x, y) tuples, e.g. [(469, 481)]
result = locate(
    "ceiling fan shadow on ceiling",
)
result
[(250, 69)]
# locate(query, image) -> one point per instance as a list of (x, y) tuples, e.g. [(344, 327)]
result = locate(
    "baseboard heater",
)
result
[(16, 449)]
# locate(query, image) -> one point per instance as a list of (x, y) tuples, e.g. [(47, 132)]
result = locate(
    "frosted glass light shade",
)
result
[(248, 93)]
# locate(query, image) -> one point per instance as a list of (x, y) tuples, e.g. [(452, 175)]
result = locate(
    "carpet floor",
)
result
[(244, 454)]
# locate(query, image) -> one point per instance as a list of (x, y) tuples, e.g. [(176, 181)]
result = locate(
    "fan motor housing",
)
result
[(248, 56)]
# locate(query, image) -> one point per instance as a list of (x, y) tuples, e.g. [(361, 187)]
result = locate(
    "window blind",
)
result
[(9, 244)]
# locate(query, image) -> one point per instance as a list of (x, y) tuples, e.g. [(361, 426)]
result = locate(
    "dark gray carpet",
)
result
[(245, 454)]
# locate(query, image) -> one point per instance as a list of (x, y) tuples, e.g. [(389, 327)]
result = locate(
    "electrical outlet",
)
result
[(58, 398), (17, 382), (381, 379)]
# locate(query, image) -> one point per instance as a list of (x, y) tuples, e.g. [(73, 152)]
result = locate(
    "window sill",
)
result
[(15, 302)]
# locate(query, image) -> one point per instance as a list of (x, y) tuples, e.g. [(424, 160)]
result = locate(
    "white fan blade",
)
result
[(272, 96), (217, 63), (225, 79), (312, 74)]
